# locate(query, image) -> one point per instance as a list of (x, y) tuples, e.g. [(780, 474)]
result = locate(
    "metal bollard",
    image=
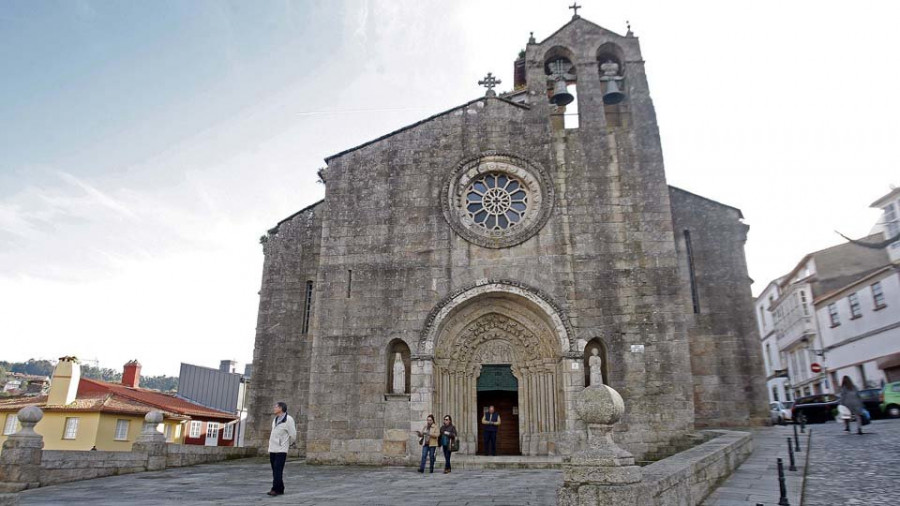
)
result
[(795, 430), (782, 489), (797, 444), (803, 423), (791, 467)]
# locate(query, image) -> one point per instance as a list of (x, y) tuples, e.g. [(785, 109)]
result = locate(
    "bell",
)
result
[(561, 96), (612, 96)]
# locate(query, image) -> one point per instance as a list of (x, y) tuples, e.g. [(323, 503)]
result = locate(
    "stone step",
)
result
[(504, 462)]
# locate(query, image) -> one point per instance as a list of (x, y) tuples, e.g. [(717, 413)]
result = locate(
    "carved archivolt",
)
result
[(544, 309)]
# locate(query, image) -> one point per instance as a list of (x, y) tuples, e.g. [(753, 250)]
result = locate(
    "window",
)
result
[(769, 363), (775, 393), (803, 303), (11, 422), (695, 296), (122, 430), (878, 295), (862, 376), (307, 309), (787, 395), (228, 432), (71, 430), (212, 430), (762, 317), (833, 315), (195, 428), (496, 201), (854, 306), (168, 432)]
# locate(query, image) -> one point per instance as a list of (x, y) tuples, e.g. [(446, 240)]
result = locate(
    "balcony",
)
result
[(805, 327)]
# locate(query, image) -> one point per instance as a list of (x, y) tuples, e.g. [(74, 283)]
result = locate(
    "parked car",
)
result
[(871, 398), (890, 400), (815, 408), (780, 411)]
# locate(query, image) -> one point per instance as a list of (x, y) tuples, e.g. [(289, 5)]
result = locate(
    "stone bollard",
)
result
[(602, 473), (152, 441), (20, 461)]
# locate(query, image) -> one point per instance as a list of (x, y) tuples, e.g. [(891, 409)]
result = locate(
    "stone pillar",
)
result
[(20, 461), (602, 473), (152, 441)]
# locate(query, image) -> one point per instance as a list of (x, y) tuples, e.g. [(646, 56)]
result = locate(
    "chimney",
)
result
[(131, 376), (64, 384), (228, 366)]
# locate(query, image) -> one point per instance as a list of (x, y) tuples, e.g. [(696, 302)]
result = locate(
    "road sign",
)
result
[(815, 367)]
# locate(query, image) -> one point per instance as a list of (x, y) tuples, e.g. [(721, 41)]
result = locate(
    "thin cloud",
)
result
[(97, 195)]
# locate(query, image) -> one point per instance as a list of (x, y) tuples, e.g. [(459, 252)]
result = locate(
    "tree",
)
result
[(162, 383)]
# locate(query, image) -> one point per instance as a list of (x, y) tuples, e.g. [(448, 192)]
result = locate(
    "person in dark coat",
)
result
[(448, 435), (851, 400)]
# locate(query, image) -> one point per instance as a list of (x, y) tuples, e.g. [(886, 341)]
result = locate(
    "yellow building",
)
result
[(83, 414)]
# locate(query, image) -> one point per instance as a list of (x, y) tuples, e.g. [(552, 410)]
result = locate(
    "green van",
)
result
[(890, 400)]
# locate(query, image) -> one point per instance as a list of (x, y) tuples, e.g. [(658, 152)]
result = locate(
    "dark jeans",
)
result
[(277, 460), (426, 452), (490, 442), (447, 452)]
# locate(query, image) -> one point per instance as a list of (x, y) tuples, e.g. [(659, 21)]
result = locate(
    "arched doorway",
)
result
[(515, 340)]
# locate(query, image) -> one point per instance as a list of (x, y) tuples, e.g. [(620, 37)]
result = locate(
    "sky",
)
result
[(146, 146)]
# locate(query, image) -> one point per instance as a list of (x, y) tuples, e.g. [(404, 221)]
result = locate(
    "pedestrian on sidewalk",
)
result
[(284, 432), (428, 438), (851, 400), (448, 439)]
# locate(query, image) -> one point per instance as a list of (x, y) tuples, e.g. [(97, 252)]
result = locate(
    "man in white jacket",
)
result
[(284, 432)]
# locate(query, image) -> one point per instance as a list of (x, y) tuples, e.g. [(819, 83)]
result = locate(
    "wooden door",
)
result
[(506, 404)]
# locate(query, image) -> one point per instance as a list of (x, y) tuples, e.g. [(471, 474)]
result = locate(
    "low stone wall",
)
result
[(187, 455), (688, 477), (61, 466), (684, 479)]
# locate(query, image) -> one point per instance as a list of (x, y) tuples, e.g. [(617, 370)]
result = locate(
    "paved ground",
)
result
[(246, 482), (756, 481), (849, 469), (845, 469)]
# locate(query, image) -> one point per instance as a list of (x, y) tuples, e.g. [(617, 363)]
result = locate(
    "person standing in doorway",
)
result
[(284, 432), (491, 422)]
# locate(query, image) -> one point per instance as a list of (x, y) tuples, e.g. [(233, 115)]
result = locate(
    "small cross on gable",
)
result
[(575, 8), (489, 82)]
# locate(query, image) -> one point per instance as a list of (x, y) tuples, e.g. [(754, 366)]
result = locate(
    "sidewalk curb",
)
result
[(806, 467)]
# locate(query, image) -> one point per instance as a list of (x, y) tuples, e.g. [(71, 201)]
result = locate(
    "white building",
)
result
[(860, 329), (776, 370), (889, 224), (836, 312)]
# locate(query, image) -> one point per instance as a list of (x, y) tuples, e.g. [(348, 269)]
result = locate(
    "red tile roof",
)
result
[(163, 401), (99, 396)]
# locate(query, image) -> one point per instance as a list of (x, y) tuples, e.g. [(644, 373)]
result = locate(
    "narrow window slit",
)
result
[(695, 296)]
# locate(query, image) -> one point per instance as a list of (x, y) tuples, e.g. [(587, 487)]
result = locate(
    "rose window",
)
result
[(496, 201)]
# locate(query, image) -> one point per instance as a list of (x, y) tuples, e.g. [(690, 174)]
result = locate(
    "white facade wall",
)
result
[(765, 322), (853, 346), (889, 224)]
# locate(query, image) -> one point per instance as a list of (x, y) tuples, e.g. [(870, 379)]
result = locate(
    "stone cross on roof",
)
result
[(489, 82), (575, 8)]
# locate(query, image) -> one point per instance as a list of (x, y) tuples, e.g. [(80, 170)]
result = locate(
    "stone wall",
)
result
[(189, 455), (282, 351), (61, 466), (684, 479), (726, 357)]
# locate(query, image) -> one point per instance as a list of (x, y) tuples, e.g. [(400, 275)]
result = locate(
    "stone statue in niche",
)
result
[(399, 384), (595, 363)]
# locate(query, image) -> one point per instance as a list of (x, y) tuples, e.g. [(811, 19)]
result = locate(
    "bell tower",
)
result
[(613, 193)]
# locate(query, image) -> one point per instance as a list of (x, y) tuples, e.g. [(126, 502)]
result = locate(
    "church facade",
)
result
[(486, 254)]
